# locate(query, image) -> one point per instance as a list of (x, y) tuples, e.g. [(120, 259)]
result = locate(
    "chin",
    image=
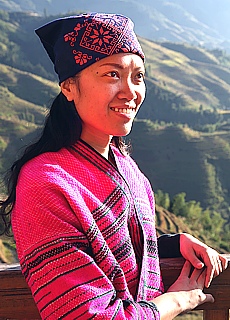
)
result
[(123, 133)]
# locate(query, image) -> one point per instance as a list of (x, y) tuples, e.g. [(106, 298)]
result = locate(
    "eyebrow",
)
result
[(116, 65)]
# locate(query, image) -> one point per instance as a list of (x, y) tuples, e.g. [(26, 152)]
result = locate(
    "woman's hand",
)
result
[(200, 255), (185, 293), (190, 283)]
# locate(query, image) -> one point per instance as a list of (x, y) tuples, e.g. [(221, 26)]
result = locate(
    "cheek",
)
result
[(142, 94)]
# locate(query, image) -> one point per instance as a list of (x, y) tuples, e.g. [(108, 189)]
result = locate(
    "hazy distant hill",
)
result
[(193, 74), (178, 159), (184, 76), (198, 22), (185, 85), (23, 98)]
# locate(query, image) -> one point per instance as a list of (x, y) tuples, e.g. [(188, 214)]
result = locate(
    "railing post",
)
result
[(216, 315)]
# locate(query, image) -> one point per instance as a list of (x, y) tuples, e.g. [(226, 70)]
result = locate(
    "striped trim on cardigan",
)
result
[(85, 236)]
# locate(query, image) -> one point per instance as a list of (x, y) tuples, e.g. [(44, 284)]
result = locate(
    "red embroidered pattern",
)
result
[(81, 58), (70, 37), (104, 35)]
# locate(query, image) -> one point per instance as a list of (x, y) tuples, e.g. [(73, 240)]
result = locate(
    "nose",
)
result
[(128, 90)]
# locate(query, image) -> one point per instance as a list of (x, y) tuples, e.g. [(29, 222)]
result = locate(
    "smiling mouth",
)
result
[(124, 110)]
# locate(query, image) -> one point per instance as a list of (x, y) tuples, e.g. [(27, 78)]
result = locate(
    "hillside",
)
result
[(185, 84), (7, 251), (166, 222), (198, 23), (24, 98), (178, 159), (188, 89), (181, 78), (194, 76)]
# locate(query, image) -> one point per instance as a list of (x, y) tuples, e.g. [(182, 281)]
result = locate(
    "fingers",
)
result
[(201, 255), (221, 264), (191, 249), (209, 275), (198, 277), (195, 261), (186, 269), (212, 260), (218, 267), (224, 261), (215, 265), (209, 298), (195, 276)]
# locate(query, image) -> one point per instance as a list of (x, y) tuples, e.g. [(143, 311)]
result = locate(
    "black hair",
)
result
[(62, 128)]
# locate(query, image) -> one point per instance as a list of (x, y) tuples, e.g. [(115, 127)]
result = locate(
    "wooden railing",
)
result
[(220, 289), (16, 301)]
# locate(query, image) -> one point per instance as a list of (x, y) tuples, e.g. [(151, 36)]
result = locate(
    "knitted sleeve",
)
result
[(56, 256), (169, 246)]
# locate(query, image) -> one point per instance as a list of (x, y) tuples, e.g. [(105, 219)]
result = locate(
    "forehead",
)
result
[(122, 60)]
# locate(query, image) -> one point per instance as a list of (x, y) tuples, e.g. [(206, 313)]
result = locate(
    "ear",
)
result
[(67, 89)]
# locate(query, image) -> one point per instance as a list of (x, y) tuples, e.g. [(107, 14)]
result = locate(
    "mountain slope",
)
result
[(184, 85), (194, 73), (182, 80), (24, 98), (192, 77), (178, 159), (202, 23)]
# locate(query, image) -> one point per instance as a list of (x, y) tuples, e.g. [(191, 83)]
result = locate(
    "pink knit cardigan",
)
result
[(85, 236)]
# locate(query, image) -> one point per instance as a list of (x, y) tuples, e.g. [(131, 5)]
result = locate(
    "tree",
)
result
[(162, 199), (178, 203)]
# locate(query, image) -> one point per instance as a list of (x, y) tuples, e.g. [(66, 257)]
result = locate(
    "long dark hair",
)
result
[(62, 129)]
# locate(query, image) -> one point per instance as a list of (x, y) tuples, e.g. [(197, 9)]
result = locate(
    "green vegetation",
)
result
[(181, 138), (206, 224), (7, 251), (194, 315), (178, 159), (182, 161), (185, 85)]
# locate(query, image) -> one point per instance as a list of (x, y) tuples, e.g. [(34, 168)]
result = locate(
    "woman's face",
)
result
[(107, 96)]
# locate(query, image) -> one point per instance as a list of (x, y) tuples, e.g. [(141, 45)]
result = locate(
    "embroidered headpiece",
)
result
[(74, 43)]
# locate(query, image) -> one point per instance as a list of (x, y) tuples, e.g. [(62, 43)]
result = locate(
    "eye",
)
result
[(113, 74), (140, 75)]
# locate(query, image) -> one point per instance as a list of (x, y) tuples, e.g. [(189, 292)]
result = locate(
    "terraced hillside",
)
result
[(187, 87), (194, 77), (24, 98), (178, 159)]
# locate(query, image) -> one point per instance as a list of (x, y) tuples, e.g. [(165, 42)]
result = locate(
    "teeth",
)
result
[(128, 111)]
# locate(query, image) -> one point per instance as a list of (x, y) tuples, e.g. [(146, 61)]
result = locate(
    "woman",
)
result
[(82, 212)]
